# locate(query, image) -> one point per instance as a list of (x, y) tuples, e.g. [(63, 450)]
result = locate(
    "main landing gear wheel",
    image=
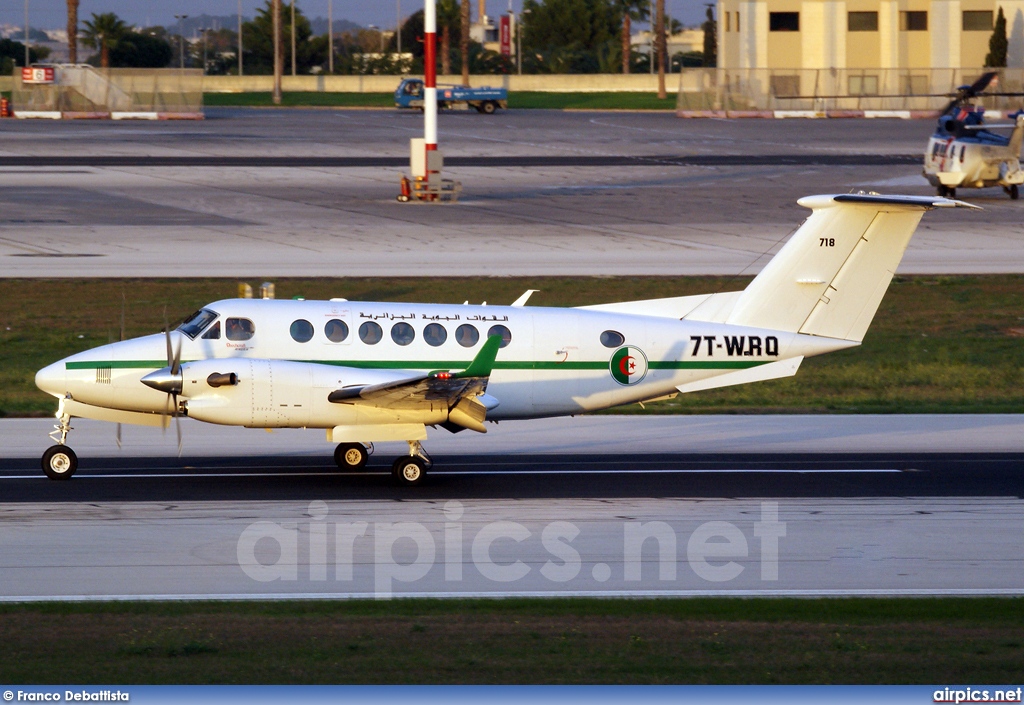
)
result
[(1012, 191), (947, 192), (59, 462), (351, 456), (409, 470)]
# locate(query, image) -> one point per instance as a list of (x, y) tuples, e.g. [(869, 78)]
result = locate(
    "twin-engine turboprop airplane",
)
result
[(370, 372)]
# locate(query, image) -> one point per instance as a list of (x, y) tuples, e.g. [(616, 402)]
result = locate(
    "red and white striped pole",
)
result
[(430, 75)]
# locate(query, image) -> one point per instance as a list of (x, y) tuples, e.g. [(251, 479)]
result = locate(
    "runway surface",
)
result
[(271, 193), (742, 516)]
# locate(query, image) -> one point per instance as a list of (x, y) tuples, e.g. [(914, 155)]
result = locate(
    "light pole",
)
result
[(181, 38), (239, 37), (519, 39), (203, 30), (398, 25), (293, 37), (26, 32), (330, 37)]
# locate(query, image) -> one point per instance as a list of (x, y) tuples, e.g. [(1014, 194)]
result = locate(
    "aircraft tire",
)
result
[(59, 462), (350, 456), (1014, 192), (409, 470)]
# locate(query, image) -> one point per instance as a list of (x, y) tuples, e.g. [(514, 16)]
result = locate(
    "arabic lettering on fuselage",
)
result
[(438, 317)]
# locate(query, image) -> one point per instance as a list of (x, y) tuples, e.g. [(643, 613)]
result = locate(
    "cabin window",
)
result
[(914, 21), (213, 333), (783, 21), (370, 333), (336, 330), (402, 333), (612, 339), (862, 22), (302, 331), (198, 321), (977, 20), (435, 334), (505, 333), (467, 336), (239, 329)]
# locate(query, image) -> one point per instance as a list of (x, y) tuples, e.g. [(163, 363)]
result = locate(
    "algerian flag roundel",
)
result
[(628, 365)]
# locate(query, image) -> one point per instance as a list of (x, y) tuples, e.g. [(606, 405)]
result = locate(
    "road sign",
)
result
[(37, 75)]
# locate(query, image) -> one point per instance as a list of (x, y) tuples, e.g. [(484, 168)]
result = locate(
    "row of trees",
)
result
[(558, 36)]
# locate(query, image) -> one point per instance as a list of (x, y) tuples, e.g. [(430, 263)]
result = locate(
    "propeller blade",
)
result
[(124, 303), (982, 83), (176, 361), (177, 428)]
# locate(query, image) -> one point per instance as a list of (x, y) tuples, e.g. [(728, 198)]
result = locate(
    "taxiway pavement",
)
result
[(545, 193)]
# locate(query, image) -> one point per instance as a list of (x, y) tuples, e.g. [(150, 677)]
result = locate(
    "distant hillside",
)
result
[(191, 25)]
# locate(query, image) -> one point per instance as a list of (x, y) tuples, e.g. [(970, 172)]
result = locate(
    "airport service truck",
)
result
[(409, 94)]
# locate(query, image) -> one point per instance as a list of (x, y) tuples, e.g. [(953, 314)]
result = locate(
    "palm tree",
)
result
[(659, 28), (104, 32), (464, 41), (448, 12), (73, 31), (631, 10)]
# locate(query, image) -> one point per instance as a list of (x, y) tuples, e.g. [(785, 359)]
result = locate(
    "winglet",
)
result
[(483, 363)]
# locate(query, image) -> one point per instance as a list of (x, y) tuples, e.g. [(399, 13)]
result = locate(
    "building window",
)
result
[(914, 85), (785, 86), (916, 21), (784, 21), (737, 21), (862, 21), (727, 16), (863, 85), (977, 20)]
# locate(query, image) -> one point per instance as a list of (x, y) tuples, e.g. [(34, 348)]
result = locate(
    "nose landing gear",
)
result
[(59, 461)]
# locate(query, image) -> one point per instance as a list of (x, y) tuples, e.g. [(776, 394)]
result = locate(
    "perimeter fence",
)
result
[(717, 89), (80, 90)]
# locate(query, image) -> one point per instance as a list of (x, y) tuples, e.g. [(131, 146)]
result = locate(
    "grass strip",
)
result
[(520, 99), (670, 641), (939, 344)]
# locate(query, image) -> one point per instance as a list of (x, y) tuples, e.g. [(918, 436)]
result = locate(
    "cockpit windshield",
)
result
[(197, 322)]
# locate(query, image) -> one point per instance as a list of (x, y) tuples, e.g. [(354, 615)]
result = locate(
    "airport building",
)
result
[(864, 34)]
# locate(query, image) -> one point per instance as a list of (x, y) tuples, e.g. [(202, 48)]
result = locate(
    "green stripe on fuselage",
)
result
[(443, 364)]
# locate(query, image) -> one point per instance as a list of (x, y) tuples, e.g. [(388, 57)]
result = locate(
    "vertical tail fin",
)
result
[(830, 277)]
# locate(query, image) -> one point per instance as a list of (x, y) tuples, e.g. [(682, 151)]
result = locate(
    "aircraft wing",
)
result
[(459, 389)]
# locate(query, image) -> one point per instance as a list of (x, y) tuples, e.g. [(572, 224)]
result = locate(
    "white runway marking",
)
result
[(470, 473), (501, 595)]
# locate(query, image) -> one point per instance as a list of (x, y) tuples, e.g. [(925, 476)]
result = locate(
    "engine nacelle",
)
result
[(283, 394)]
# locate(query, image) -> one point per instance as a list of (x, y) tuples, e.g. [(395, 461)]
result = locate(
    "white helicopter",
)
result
[(965, 153), (372, 372)]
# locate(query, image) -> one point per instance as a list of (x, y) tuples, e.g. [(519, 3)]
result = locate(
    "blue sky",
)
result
[(51, 14)]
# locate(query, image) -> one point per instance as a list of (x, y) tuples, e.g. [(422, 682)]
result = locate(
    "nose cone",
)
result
[(164, 380), (52, 379)]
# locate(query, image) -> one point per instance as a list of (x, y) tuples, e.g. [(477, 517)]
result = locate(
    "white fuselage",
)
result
[(554, 364)]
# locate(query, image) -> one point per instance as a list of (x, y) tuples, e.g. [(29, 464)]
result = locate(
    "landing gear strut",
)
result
[(1013, 191), (411, 469), (60, 462), (947, 192)]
